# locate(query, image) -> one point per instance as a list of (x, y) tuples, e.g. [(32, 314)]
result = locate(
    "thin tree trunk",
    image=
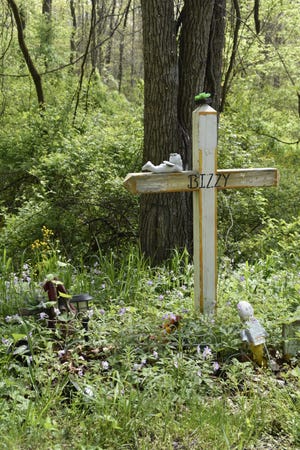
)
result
[(31, 67), (233, 53), (121, 54), (73, 32), (111, 28), (132, 65), (94, 49), (47, 37), (47, 7), (84, 59)]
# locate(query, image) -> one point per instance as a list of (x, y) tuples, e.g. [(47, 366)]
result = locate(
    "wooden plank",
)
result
[(246, 178), (146, 182), (205, 209), (191, 180)]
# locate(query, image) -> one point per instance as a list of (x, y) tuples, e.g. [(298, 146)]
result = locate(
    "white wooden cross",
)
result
[(204, 180)]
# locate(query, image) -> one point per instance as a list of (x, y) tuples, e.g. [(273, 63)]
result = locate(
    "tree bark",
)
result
[(193, 54), (163, 216), (213, 75), (174, 72)]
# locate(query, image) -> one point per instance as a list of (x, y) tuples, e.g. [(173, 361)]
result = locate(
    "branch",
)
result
[(10, 41), (277, 139), (84, 60)]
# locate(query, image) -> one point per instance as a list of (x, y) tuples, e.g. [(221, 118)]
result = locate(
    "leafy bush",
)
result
[(70, 180)]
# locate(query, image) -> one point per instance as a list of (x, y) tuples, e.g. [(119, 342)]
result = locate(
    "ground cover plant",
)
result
[(149, 373)]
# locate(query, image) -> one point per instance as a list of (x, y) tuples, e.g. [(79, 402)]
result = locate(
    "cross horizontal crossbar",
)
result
[(189, 180)]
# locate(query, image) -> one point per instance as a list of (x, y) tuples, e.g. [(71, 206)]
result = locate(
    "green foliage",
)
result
[(70, 180), (260, 126), (64, 168), (279, 241), (137, 384)]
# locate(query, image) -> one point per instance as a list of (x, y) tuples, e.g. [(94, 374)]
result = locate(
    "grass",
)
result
[(133, 385)]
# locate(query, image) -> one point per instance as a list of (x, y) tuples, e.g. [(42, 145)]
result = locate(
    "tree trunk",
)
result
[(47, 7), (132, 56), (173, 76), (193, 51), (93, 36), (73, 32), (163, 216), (31, 67), (47, 35), (111, 28), (213, 75), (121, 46)]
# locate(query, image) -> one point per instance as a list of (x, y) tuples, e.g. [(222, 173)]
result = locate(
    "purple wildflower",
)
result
[(105, 365), (14, 318), (206, 352), (216, 366), (43, 315), (122, 311), (155, 354)]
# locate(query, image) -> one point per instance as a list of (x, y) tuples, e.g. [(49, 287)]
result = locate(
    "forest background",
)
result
[(72, 125)]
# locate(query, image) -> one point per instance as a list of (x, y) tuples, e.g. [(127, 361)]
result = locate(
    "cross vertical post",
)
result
[(205, 209)]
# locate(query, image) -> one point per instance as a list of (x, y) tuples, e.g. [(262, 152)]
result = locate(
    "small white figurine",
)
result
[(254, 333), (173, 165)]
